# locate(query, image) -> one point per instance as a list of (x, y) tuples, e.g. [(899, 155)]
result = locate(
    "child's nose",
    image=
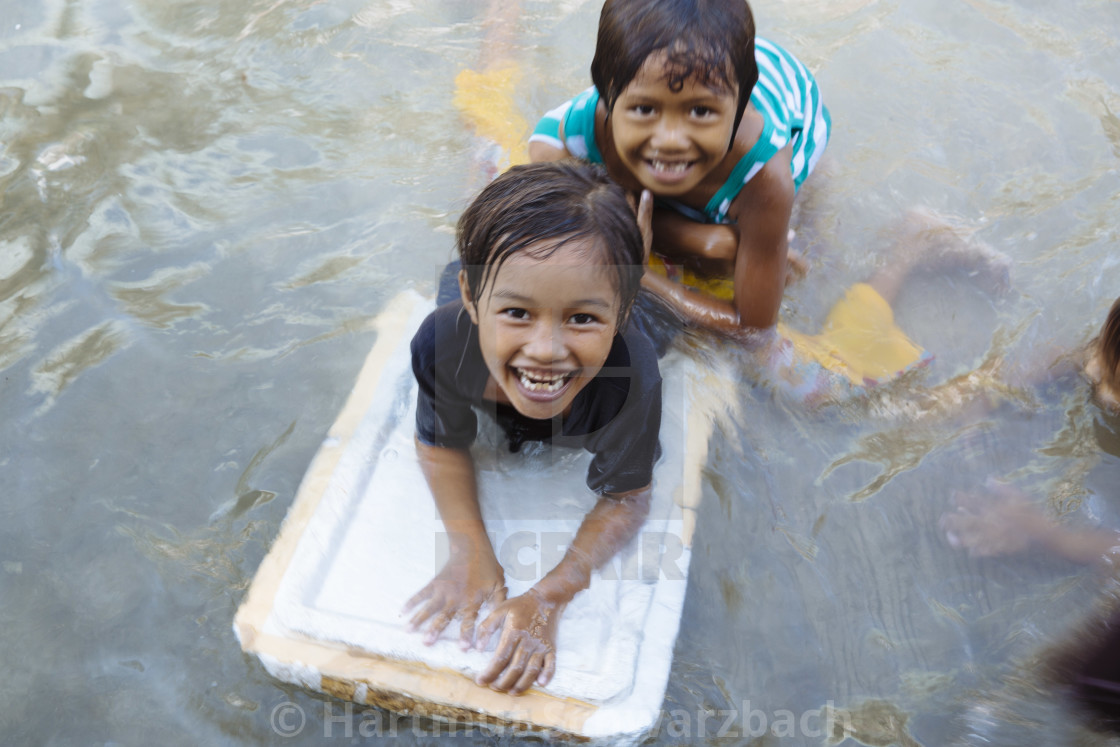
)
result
[(668, 134), (546, 344)]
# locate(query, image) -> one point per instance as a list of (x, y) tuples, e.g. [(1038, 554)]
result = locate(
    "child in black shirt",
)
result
[(551, 262)]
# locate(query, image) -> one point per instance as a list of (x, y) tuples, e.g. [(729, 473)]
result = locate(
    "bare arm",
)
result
[(696, 308), (539, 151), (677, 237), (606, 529), (526, 651), (472, 575), (1085, 546), (763, 212), (1002, 521)]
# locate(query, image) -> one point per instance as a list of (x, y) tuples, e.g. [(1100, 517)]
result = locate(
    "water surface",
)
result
[(205, 203)]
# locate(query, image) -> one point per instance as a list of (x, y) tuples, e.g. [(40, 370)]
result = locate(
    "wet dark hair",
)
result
[(1109, 342), (711, 41), (1085, 664), (555, 203)]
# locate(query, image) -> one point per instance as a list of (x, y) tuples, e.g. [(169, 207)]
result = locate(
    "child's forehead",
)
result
[(661, 68), (565, 261), (579, 255)]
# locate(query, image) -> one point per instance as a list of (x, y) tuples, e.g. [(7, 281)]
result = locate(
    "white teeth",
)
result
[(536, 382), (673, 168)]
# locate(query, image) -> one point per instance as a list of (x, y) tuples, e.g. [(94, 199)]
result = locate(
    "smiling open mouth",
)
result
[(669, 167), (544, 383)]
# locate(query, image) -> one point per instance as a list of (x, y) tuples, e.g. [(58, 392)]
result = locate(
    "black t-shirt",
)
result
[(616, 416)]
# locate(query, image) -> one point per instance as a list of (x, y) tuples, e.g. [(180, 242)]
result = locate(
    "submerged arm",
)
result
[(1002, 521), (695, 308), (1085, 546)]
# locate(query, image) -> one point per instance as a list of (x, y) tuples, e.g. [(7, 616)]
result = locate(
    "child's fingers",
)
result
[(950, 527), (468, 618), (507, 678), (645, 208), (417, 598), (983, 535), (962, 533), (499, 596), (500, 660), (425, 612), (438, 624), (480, 638), (548, 670), (645, 222), (968, 502), (530, 675), (798, 265), (486, 630)]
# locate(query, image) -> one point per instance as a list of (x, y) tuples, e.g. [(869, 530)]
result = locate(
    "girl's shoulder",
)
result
[(572, 126), (582, 124), (751, 129), (753, 168)]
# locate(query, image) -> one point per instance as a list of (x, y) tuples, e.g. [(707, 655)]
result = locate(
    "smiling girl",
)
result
[(721, 127), (551, 262)]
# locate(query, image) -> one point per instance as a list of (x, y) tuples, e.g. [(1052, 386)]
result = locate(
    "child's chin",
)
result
[(539, 410)]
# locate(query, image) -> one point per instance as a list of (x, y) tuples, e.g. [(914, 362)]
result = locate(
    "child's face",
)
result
[(545, 326), (670, 140)]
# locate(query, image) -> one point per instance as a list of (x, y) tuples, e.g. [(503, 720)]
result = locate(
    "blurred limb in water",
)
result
[(1083, 668), (485, 95)]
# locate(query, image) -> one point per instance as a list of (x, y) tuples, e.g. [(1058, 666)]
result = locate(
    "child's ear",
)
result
[(465, 294)]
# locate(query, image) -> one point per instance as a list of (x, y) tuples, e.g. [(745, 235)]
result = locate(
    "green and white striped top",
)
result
[(786, 95)]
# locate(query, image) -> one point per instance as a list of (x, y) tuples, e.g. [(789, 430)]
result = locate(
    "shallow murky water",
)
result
[(203, 204)]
